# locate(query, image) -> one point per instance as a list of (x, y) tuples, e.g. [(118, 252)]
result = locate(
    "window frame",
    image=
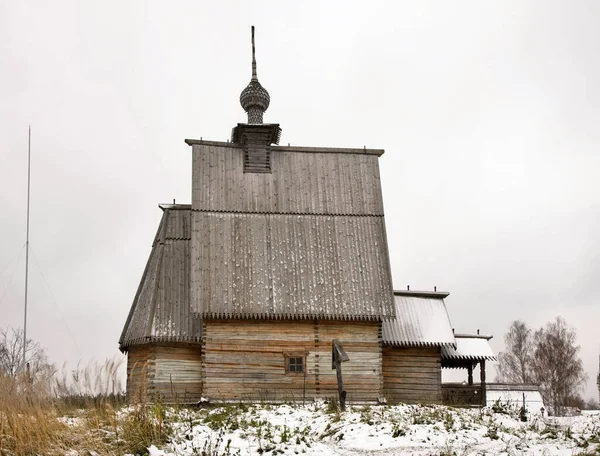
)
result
[(296, 357)]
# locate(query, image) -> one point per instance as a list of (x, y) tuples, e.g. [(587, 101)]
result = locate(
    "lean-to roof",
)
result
[(421, 320), (161, 308)]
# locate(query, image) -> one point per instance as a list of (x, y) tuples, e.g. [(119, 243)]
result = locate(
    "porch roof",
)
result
[(470, 349)]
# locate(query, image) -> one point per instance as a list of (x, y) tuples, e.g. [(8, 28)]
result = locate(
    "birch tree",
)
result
[(556, 364), (514, 364)]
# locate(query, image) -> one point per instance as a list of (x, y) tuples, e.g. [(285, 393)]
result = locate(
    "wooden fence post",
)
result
[(483, 388)]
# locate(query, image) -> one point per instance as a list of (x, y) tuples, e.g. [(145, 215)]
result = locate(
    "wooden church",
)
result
[(282, 251)]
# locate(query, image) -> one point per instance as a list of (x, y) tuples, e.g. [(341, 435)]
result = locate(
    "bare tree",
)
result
[(556, 365), (591, 404), (514, 364), (11, 353)]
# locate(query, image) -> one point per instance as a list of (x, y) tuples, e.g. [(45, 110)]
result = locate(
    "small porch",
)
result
[(471, 350)]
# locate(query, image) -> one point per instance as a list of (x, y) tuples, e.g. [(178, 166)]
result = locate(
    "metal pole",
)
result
[(27, 248)]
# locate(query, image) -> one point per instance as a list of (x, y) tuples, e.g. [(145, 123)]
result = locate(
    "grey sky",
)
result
[(488, 113)]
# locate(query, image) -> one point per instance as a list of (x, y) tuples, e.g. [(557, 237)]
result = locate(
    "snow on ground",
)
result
[(317, 429)]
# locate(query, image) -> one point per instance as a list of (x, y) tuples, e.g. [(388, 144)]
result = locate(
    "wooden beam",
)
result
[(338, 356), (483, 388)]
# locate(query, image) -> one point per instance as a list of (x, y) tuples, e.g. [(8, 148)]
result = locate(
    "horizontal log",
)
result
[(275, 348), (393, 372), (217, 369), (176, 389), (180, 363), (414, 377), (408, 360), (178, 357), (402, 353), (410, 387), (414, 394)]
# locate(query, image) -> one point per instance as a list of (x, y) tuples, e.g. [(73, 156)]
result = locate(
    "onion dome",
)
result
[(254, 98)]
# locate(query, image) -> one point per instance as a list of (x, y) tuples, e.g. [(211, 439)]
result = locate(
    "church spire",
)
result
[(254, 77), (254, 98)]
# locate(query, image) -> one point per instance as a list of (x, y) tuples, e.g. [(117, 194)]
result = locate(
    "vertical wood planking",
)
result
[(300, 182)]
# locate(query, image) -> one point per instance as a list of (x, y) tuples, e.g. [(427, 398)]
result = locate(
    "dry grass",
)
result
[(59, 413), (147, 424), (28, 422)]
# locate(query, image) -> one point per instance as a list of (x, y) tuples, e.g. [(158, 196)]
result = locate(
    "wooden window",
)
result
[(294, 364)]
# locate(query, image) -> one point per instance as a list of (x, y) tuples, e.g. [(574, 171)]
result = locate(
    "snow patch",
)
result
[(317, 429)]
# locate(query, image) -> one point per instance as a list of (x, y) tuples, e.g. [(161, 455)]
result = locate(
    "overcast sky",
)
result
[(488, 112)]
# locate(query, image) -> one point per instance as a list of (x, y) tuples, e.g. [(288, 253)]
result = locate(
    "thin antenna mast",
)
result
[(27, 250)]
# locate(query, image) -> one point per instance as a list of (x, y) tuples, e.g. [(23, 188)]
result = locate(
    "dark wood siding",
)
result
[(246, 360), (412, 375)]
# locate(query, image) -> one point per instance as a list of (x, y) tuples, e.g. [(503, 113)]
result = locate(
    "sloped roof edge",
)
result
[(161, 308), (140, 287), (469, 348)]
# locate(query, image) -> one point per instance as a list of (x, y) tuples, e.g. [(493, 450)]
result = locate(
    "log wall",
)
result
[(177, 373), (412, 375), (246, 360), (137, 372), (169, 371)]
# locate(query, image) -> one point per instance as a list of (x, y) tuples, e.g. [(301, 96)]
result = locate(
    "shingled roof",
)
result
[(161, 307)]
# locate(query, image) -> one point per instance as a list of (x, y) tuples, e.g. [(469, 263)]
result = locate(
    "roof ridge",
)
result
[(422, 293), (473, 336), (173, 206)]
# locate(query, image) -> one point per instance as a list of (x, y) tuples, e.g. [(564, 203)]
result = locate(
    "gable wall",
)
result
[(302, 183)]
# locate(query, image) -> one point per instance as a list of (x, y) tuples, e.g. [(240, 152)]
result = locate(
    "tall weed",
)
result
[(81, 411)]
